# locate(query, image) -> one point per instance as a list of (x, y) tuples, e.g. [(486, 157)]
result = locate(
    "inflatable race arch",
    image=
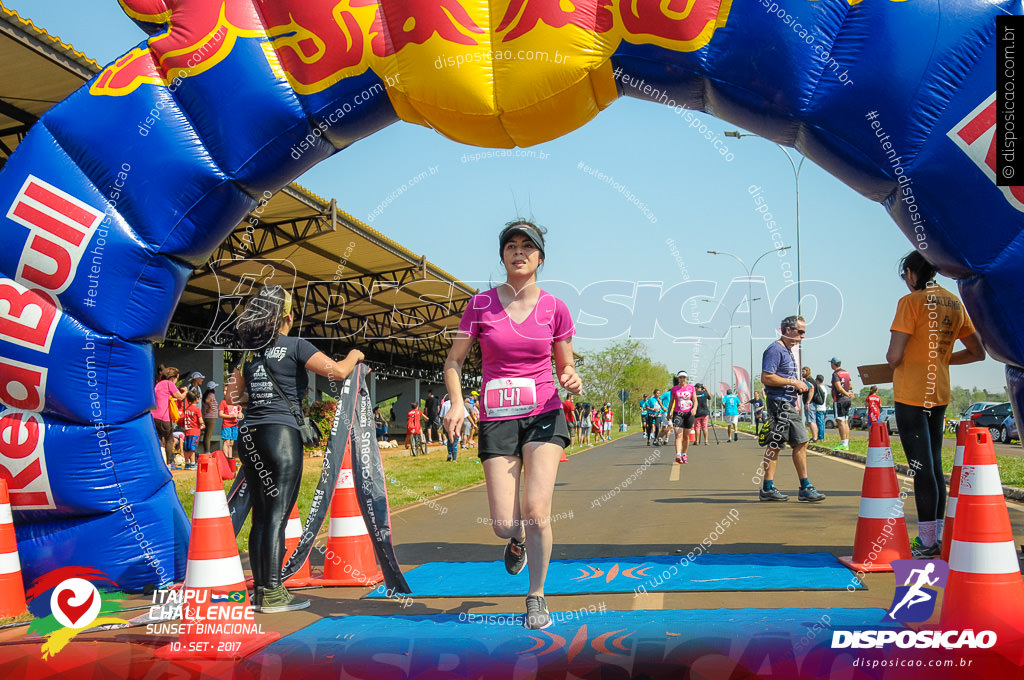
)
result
[(123, 188)]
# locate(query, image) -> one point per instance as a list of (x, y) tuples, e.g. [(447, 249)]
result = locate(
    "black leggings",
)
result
[(272, 459), (921, 435), (653, 424)]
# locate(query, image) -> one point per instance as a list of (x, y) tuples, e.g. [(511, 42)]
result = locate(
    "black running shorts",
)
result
[(684, 420), (507, 437), (787, 427)]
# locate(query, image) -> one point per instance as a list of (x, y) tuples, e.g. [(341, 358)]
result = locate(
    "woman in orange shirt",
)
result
[(928, 321)]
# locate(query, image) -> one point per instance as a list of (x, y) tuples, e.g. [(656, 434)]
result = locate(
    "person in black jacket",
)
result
[(433, 412), (700, 419)]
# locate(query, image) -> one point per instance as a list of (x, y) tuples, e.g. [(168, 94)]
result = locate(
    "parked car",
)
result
[(992, 418), (1008, 430), (859, 417), (890, 421), (977, 406)]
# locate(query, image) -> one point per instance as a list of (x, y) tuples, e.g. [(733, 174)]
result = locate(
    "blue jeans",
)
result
[(819, 415), (453, 449)]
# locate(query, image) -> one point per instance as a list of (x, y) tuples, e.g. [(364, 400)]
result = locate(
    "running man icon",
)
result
[(914, 601), (916, 594)]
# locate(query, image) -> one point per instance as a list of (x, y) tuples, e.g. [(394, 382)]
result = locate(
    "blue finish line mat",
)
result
[(646, 643), (771, 571)]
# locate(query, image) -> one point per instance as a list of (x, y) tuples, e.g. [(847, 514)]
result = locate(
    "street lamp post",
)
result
[(714, 367), (797, 167), (735, 309), (750, 302)]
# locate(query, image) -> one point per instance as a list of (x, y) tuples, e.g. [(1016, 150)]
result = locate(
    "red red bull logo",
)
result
[(316, 43), (60, 227), (523, 15), (975, 135), (27, 317), (177, 53), (682, 25), (458, 58), (398, 23), (22, 462)]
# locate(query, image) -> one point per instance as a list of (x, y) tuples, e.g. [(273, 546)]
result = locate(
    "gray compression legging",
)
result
[(272, 460)]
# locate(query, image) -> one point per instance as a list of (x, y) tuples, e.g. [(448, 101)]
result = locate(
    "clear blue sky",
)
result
[(694, 197)]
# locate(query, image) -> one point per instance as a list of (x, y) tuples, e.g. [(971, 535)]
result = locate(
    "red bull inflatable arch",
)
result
[(122, 189)]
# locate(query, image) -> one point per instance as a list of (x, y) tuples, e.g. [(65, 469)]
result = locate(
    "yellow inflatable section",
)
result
[(502, 73), (490, 74)]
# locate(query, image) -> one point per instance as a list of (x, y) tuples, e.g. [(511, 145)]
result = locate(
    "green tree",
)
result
[(885, 393), (622, 365)]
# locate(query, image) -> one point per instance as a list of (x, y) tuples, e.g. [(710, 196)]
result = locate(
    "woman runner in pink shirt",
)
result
[(522, 425), (682, 406)]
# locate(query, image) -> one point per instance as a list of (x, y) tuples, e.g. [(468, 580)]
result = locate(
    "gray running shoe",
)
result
[(919, 551), (279, 599), (537, 616), (515, 556), (809, 494), (773, 494)]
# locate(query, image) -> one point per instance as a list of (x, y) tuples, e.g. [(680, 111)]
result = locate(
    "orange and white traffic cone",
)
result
[(292, 534), (693, 435), (217, 621), (954, 488), (565, 458), (985, 590), (12, 588), (349, 559), (881, 535), (227, 471)]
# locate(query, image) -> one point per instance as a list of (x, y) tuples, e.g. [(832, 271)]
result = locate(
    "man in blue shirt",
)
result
[(665, 398), (645, 419), (782, 385), (731, 411)]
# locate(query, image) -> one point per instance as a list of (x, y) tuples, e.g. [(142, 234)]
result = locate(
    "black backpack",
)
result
[(819, 395)]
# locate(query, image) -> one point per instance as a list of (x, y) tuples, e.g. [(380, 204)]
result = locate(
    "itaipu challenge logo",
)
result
[(67, 601)]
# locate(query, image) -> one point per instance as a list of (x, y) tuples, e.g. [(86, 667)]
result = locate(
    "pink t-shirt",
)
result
[(685, 397), (163, 391), (511, 350)]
